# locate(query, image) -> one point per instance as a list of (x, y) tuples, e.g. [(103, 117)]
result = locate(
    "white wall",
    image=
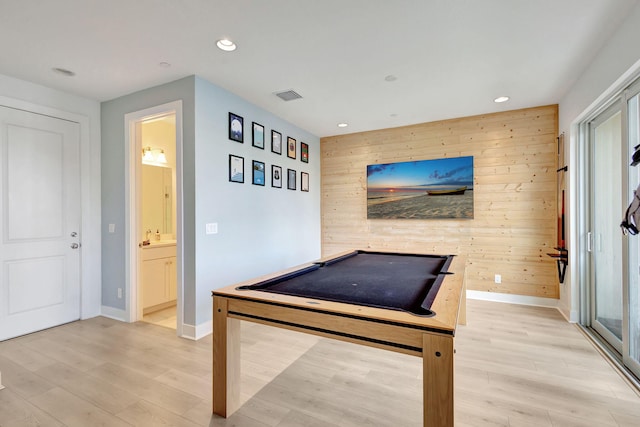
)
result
[(613, 68), (260, 229), (114, 191), (40, 99)]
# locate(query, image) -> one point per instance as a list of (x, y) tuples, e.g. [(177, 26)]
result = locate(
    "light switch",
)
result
[(212, 228), (112, 228)]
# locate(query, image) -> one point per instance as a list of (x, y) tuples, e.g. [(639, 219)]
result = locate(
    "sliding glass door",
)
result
[(614, 259), (631, 352), (605, 239)]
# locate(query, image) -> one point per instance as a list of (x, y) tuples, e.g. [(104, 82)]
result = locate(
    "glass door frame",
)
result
[(632, 91), (602, 116), (585, 224)]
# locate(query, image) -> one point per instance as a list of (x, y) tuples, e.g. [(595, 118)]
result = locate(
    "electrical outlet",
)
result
[(498, 278), (119, 293), (211, 228), (112, 228)]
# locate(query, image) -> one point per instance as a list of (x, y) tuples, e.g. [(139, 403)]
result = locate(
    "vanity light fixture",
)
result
[(149, 156), (161, 158), (226, 45), (501, 99)]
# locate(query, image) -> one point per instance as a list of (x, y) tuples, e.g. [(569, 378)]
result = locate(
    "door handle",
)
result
[(75, 246), (74, 234)]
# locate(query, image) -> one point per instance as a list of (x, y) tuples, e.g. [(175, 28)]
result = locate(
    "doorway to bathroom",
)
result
[(157, 218), (154, 231)]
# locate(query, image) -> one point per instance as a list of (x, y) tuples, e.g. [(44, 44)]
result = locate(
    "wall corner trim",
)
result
[(198, 331), (113, 313), (570, 315)]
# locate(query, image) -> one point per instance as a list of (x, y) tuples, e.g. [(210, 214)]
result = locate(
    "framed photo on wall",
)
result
[(304, 152), (276, 176), (236, 127), (258, 173), (291, 147), (258, 135), (304, 181), (276, 142), (236, 168), (421, 189), (291, 179)]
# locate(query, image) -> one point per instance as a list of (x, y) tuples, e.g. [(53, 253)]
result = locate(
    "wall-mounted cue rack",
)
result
[(562, 254)]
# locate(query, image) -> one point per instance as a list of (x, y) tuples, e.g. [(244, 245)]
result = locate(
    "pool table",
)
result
[(407, 303)]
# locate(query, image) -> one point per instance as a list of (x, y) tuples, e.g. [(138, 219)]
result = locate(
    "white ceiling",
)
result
[(451, 57)]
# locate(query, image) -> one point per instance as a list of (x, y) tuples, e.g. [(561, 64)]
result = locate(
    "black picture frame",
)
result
[(304, 152), (257, 135), (236, 128), (276, 176), (291, 179), (291, 147), (236, 169), (257, 175), (276, 142), (304, 181)]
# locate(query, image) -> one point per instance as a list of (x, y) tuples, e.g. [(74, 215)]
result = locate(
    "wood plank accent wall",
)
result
[(515, 217)]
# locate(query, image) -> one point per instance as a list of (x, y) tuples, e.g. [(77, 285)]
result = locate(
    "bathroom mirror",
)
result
[(157, 199)]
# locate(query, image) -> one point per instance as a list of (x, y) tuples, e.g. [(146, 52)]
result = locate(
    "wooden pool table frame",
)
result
[(431, 338)]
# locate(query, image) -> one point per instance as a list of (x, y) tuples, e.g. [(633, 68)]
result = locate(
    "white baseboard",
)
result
[(513, 299), (574, 316), (570, 315), (113, 313), (190, 332), (198, 331)]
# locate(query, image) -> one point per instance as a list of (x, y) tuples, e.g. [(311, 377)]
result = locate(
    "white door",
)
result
[(39, 222)]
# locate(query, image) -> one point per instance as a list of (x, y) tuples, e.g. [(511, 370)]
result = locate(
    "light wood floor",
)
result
[(515, 366), (165, 317)]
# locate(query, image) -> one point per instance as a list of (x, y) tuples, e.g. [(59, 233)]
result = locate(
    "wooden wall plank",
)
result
[(514, 222)]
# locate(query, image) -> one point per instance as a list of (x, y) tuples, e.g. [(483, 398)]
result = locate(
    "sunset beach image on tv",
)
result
[(423, 189)]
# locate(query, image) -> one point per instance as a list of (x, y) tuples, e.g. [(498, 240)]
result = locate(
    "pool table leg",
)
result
[(437, 380), (226, 360)]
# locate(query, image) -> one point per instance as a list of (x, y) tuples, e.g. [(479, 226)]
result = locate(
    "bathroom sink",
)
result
[(160, 243)]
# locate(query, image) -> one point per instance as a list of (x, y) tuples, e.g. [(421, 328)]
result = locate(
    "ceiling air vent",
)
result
[(288, 95)]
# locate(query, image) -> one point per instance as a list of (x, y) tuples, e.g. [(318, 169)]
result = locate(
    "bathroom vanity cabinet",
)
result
[(158, 277)]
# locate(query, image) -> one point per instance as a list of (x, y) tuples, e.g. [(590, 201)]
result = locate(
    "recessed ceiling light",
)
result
[(64, 71), (391, 78), (164, 64), (343, 125), (501, 99), (226, 45)]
